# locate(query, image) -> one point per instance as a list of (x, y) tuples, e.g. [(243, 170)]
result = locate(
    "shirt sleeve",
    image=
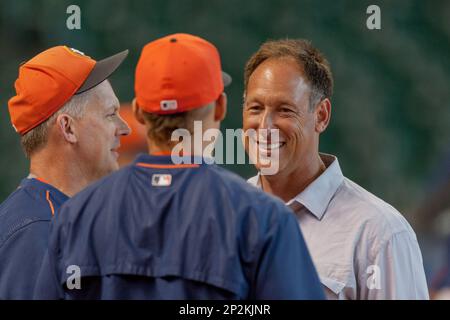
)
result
[(286, 270), (22, 256), (397, 272)]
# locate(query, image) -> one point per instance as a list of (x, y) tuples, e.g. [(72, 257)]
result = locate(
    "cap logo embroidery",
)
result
[(77, 51), (167, 105)]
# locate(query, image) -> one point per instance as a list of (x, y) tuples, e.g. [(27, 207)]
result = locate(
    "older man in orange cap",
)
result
[(66, 114)]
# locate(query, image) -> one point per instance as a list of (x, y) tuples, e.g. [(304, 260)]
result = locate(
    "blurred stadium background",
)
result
[(390, 124)]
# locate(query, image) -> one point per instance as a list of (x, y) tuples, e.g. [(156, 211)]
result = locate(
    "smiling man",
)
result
[(66, 114), (362, 247)]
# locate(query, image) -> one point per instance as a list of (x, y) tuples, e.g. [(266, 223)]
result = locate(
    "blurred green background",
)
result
[(391, 107)]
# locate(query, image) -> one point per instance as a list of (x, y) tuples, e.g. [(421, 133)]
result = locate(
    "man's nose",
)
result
[(123, 128), (267, 121), (268, 127)]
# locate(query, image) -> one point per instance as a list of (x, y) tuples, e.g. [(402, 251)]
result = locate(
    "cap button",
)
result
[(173, 40)]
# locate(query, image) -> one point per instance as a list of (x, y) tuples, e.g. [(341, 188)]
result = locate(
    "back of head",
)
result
[(178, 81)]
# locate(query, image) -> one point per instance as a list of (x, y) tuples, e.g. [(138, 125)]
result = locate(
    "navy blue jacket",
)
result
[(155, 230), (24, 224)]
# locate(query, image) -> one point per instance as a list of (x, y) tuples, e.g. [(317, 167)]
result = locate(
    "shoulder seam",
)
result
[(3, 241)]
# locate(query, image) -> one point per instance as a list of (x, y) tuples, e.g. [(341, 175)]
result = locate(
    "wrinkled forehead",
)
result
[(277, 78)]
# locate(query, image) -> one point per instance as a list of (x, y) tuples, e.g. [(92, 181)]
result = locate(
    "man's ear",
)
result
[(323, 115), (137, 112), (65, 125), (221, 107)]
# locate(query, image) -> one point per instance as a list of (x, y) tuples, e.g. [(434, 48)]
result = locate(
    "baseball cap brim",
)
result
[(102, 70), (226, 79)]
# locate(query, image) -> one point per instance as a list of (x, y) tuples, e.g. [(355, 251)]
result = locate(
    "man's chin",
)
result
[(268, 168), (113, 166), (266, 163)]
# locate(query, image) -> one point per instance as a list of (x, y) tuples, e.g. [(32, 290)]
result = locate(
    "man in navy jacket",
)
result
[(67, 116)]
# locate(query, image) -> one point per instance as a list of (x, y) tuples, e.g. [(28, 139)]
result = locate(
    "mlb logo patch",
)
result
[(161, 180), (167, 105)]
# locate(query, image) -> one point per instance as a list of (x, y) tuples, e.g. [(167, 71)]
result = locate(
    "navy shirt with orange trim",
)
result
[(155, 230), (24, 224)]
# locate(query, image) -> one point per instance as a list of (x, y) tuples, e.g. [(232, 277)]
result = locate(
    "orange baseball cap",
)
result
[(177, 73), (50, 79)]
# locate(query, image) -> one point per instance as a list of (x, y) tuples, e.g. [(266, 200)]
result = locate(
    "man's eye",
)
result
[(286, 110), (254, 108)]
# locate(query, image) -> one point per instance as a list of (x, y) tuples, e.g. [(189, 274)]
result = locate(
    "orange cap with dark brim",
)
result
[(178, 73), (50, 79)]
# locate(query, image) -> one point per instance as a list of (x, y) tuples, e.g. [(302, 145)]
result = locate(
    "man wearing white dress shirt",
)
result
[(362, 247)]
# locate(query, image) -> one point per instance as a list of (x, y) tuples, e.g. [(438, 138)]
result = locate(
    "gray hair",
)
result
[(37, 137)]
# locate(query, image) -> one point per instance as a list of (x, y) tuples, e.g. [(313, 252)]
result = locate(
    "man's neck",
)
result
[(288, 185), (59, 172), (167, 149), (155, 149)]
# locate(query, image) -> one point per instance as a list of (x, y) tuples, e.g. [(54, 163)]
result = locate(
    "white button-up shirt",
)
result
[(362, 247)]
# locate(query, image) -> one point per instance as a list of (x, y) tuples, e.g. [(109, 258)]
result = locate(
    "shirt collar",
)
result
[(167, 159), (43, 186), (318, 193)]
